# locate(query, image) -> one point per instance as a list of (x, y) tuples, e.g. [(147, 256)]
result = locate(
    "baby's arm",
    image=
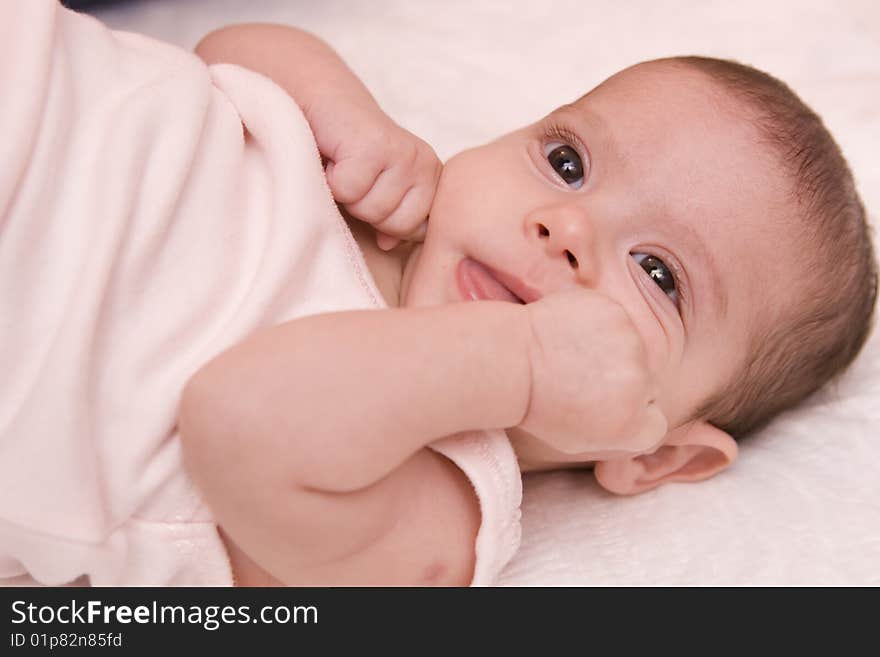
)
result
[(303, 65), (382, 174), (307, 439)]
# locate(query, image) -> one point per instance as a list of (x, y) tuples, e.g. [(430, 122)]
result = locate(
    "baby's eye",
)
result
[(660, 273), (566, 162)]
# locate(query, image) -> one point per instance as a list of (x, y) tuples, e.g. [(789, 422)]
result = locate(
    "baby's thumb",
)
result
[(652, 431), (386, 242)]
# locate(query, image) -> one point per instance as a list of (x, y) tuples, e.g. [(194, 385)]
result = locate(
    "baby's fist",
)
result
[(591, 392), (386, 176)]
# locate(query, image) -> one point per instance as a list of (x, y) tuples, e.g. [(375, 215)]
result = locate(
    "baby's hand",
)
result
[(591, 391), (382, 174)]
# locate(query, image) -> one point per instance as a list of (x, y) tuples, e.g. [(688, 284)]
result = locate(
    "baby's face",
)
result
[(647, 191)]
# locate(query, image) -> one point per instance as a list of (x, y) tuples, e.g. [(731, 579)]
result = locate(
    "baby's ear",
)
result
[(691, 452)]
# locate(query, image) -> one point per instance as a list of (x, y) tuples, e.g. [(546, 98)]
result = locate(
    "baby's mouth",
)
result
[(478, 282)]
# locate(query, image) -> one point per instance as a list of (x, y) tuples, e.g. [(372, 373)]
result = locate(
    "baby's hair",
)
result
[(812, 340)]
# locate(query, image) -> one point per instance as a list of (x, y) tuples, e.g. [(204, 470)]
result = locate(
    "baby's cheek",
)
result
[(664, 358)]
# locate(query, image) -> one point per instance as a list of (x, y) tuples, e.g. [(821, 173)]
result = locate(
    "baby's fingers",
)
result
[(408, 219), (382, 199), (386, 242), (351, 179)]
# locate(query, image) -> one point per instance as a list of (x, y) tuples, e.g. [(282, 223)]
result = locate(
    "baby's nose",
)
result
[(566, 236)]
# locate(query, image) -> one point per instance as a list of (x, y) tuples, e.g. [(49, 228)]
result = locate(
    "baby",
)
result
[(614, 287), (613, 329)]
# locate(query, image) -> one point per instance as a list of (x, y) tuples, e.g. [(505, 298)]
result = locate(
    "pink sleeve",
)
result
[(488, 460)]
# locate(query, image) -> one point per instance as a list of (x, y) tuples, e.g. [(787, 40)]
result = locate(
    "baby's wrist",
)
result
[(336, 116), (494, 371)]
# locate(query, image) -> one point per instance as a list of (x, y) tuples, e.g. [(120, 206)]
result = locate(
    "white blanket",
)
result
[(801, 507)]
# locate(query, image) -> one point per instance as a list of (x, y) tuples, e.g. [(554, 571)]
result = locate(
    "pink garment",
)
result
[(142, 231)]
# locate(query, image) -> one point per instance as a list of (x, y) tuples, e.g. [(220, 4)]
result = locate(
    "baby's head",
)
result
[(713, 205)]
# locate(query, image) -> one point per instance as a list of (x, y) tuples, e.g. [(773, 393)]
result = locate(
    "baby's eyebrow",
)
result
[(580, 113)]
